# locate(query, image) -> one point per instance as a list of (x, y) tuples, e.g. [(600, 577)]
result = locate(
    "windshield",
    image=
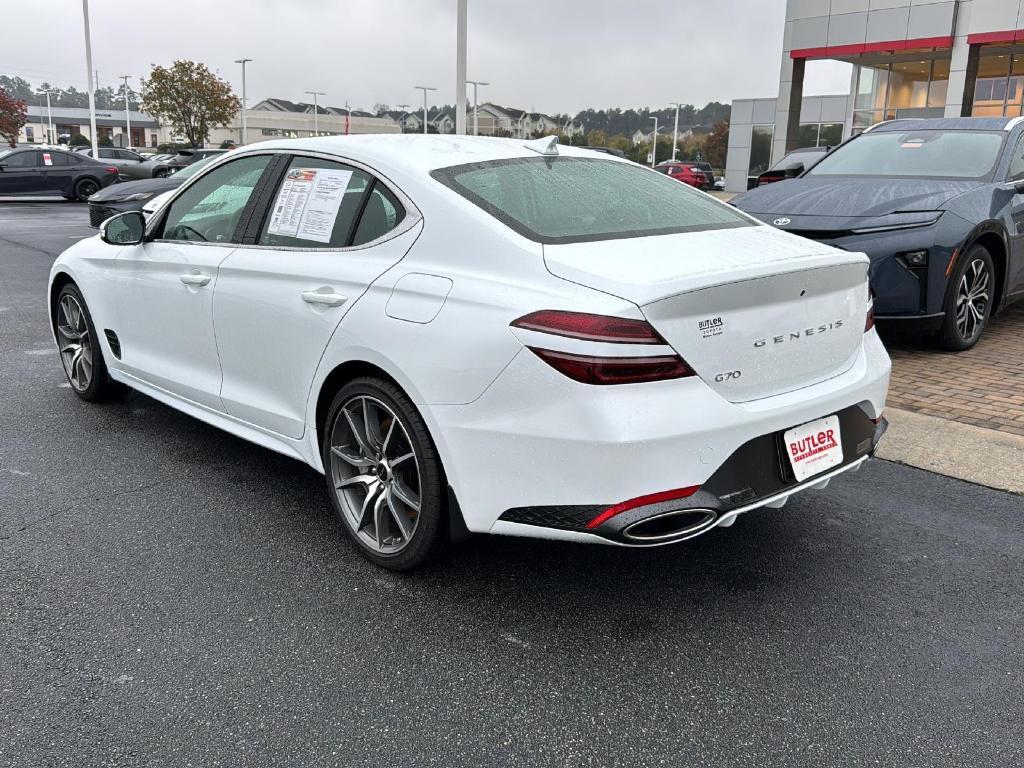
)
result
[(919, 154), (574, 199), (190, 170), (4, 153)]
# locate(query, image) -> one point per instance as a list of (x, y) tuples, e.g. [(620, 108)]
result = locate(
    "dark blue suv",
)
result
[(938, 207)]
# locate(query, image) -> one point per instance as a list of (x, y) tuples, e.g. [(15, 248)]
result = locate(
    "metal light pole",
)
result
[(316, 111), (476, 105), (675, 131), (654, 142), (245, 125), (460, 68), (92, 94), (49, 116), (426, 88), (127, 116)]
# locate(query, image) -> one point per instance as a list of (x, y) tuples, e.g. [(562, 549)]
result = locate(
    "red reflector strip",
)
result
[(582, 325), (614, 370), (642, 501)]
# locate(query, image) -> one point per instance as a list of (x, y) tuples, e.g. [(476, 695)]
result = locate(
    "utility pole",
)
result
[(654, 142), (245, 126), (316, 111), (460, 67), (49, 116), (426, 88), (675, 131), (88, 66), (127, 116), (476, 106)]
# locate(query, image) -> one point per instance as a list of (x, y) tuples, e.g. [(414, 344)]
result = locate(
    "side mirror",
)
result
[(794, 170), (124, 229)]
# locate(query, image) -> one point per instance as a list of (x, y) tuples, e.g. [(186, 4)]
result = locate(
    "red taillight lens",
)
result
[(581, 325), (869, 321), (642, 501), (587, 369), (110, 170)]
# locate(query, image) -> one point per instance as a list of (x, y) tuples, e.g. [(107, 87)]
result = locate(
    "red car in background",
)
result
[(688, 173)]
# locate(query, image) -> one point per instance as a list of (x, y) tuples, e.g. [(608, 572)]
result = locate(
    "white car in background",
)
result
[(487, 335)]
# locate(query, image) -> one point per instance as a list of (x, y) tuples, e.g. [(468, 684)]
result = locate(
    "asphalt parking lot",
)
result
[(173, 596)]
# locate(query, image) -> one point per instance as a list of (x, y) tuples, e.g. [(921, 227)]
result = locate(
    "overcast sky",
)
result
[(547, 55)]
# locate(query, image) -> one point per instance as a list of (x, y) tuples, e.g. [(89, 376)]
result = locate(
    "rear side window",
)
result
[(381, 214), (557, 200), (315, 205)]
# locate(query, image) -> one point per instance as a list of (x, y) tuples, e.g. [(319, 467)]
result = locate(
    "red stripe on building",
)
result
[(836, 51), (1005, 36)]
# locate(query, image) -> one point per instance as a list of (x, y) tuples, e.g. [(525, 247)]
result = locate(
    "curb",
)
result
[(982, 456)]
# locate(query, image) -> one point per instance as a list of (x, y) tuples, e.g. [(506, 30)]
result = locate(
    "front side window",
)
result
[(209, 210), (573, 199), (1017, 162), (916, 154), (20, 160)]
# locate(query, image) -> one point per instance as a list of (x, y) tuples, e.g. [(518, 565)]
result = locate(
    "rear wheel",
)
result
[(968, 300), (79, 347), (85, 188), (384, 476)]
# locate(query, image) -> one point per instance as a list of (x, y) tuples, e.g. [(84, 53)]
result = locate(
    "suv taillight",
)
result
[(869, 321), (602, 369)]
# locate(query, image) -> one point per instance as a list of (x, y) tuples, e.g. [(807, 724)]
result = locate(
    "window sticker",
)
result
[(308, 202), (47, 160)]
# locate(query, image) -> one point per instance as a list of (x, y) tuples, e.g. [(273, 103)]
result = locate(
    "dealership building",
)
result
[(911, 58)]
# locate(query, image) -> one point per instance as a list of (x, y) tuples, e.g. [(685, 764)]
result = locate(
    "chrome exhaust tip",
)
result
[(670, 526)]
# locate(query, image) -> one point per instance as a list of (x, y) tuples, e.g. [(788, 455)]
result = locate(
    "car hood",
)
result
[(117, 192), (850, 198)]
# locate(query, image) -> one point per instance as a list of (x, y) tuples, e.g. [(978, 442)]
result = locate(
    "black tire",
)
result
[(429, 538), (84, 188), (958, 333), (100, 386), (160, 173)]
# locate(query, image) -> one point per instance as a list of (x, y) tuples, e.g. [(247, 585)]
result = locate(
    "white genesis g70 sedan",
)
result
[(485, 335)]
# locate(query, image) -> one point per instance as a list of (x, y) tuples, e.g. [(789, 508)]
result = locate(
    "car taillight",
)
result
[(603, 369), (581, 325), (110, 170), (869, 321)]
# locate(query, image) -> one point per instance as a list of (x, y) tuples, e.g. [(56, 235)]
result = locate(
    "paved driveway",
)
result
[(983, 386)]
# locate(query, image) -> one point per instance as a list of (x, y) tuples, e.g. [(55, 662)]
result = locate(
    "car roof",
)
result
[(418, 154), (947, 124)]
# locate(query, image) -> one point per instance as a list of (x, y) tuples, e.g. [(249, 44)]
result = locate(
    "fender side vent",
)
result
[(112, 340)]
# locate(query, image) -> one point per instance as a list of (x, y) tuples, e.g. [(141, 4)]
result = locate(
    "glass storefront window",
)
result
[(871, 88), (761, 148), (908, 84), (939, 85), (831, 135), (807, 135)]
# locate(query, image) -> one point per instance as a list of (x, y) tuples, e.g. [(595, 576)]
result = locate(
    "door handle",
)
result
[(197, 279), (324, 296)]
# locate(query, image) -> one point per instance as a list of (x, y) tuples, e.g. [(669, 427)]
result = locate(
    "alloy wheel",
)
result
[(76, 345), (376, 474), (972, 299), (87, 189)]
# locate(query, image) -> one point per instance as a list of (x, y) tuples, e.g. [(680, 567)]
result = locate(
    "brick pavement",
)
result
[(983, 386)]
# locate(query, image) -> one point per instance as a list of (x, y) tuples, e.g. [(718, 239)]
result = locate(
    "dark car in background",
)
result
[(133, 195), (936, 204), (791, 166), (53, 171), (186, 157), (686, 172)]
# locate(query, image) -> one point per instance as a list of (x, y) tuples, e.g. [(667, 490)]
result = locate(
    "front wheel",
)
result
[(79, 347), (384, 476), (968, 300)]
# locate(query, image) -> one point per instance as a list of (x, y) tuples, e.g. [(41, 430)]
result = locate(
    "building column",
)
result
[(787, 107), (963, 67)]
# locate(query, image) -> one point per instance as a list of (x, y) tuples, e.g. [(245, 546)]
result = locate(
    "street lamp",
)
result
[(88, 66), (460, 67), (244, 123), (49, 116), (425, 88), (316, 111), (654, 142), (127, 117), (675, 131), (476, 104)]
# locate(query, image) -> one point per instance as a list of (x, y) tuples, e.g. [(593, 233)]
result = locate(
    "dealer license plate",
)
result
[(814, 447)]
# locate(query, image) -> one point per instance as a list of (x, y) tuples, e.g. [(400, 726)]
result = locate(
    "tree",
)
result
[(13, 115), (79, 140), (597, 138), (190, 98), (717, 145)]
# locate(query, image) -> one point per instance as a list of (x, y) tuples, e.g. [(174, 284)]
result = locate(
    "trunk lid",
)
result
[(756, 312)]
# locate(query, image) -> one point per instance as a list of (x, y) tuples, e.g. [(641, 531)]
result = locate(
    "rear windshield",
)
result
[(929, 154), (559, 200)]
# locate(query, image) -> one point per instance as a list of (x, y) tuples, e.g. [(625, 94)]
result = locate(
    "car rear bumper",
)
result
[(539, 455)]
